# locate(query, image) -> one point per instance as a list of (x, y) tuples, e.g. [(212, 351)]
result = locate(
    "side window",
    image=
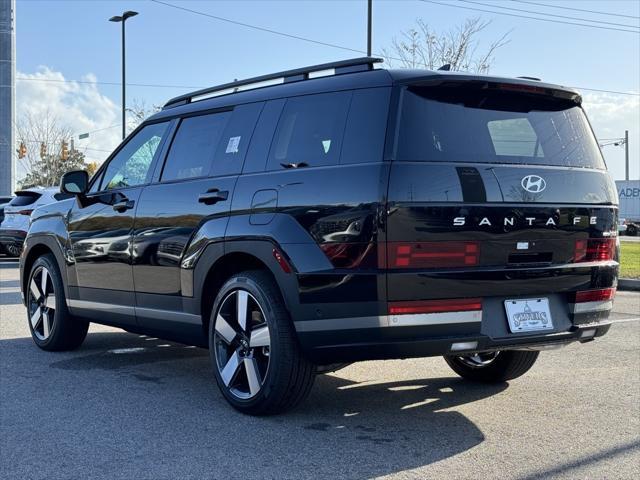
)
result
[(130, 166), (310, 130), (234, 144), (366, 126), (193, 147)]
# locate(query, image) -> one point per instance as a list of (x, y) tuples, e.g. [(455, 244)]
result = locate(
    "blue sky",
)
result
[(73, 40)]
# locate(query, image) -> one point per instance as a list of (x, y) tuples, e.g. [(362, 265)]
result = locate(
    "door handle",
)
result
[(294, 165), (213, 195), (123, 205)]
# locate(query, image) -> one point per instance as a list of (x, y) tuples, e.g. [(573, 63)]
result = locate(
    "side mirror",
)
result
[(75, 182)]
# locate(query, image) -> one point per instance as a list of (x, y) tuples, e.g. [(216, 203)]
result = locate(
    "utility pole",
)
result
[(369, 21), (626, 154)]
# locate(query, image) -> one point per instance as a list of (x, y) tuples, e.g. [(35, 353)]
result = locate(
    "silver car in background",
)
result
[(17, 212)]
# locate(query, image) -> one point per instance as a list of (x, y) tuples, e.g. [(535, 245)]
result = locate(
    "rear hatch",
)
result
[(495, 189)]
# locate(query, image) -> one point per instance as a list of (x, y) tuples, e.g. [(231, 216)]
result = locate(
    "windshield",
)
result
[(463, 125)]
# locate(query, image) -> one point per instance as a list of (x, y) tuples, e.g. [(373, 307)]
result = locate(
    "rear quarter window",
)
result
[(310, 131), (366, 126)]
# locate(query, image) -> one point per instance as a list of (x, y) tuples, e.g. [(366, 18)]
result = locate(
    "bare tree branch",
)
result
[(421, 47)]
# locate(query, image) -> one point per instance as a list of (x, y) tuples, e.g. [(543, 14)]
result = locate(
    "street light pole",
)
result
[(122, 19), (369, 22), (626, 154)]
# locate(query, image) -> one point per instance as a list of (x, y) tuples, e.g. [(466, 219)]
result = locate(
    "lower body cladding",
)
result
[(478, 325)]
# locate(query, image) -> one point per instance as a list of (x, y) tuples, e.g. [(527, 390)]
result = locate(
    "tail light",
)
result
[(25, 212), (600, 295), (595, 250), (432, 254), (435, 306)]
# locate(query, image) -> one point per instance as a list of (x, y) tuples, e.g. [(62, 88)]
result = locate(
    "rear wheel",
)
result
[(52, 327), (254, 352), (492, 367), (632, 230)]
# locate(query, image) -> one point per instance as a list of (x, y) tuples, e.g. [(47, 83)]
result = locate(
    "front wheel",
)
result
[(52, 326), (492, 367), (254, 351)]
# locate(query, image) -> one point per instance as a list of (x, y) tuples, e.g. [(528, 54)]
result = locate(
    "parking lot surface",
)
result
[(129, 406)]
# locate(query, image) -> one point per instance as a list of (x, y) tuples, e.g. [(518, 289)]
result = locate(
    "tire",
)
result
[(52, 326), (493, 367), (257, 362), (632, 230), (13, 249)]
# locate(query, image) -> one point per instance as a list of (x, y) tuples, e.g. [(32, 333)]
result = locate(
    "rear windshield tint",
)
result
[(456, 125), (24, 198)]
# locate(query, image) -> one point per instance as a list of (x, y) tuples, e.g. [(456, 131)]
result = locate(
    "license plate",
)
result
[(528, 315)]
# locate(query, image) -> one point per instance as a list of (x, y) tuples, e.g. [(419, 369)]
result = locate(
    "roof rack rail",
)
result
[(296, 75)]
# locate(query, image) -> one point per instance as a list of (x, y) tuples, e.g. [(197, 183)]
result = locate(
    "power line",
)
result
[(526, 16), (256, 27), (287, 35), (492, 5), (89, 82), (576, 9)]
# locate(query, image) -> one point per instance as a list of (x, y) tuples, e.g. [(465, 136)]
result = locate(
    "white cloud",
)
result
[(80, 106), (610, 116)]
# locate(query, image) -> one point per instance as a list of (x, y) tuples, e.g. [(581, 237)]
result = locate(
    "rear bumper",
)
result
[(12, 236), (434, 334), (427, 346)]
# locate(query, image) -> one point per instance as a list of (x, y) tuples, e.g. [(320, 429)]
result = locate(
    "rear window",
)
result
[(24, 198), (456, 125)]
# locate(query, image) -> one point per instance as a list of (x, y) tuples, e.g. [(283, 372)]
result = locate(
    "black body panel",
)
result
[(307, 181)]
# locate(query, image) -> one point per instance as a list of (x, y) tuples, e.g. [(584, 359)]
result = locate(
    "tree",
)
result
[(44, 161), (139, 111), (50, 169), (422, 47)]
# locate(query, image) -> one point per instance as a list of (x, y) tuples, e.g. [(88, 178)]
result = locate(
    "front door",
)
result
[(101, 229)]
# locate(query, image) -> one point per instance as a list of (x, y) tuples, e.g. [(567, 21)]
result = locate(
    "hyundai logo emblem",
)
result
[(533, 183)]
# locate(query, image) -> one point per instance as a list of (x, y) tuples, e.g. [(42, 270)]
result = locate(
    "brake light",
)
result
[(518, 87), (595, 250), (25, 212), (433, 254), (435, 306), (595, 295)]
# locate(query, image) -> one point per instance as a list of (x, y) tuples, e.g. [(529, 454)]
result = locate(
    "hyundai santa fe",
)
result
[(297, 222)]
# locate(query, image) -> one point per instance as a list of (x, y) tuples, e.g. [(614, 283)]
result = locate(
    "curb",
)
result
[(629, 284)]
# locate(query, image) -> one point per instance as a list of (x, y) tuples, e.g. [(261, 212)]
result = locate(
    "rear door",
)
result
[(194, 187), (494, 192)]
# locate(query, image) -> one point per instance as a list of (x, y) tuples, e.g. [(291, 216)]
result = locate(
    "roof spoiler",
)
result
[(533, 87)]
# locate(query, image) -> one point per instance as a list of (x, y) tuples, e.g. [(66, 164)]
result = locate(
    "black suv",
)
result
[(296, 222)]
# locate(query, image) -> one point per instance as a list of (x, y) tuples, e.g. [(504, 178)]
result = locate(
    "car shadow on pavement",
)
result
[(181, 423)]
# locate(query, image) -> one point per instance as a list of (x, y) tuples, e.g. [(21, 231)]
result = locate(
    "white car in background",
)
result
[(15, 224)]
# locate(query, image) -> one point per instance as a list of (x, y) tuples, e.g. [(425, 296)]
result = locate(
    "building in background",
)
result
[(7, 96)]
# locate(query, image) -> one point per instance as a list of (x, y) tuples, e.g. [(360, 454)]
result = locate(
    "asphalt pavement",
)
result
[(126, 406)]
